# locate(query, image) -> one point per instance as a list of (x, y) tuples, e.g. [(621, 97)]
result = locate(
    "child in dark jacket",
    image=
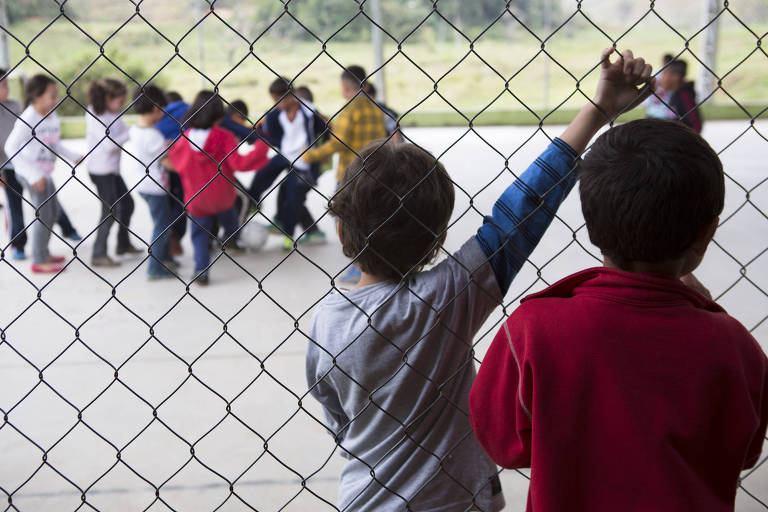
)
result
[(682, 95), (621, 387), (291, 128), (206, 158)]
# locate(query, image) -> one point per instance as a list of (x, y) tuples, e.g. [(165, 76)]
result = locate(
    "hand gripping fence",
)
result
[(119, 394)]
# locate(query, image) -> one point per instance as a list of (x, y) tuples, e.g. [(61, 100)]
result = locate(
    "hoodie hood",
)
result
[(629, 287)]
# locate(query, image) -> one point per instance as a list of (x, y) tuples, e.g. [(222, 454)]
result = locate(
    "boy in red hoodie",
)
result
[(619, 386), (206, 158)]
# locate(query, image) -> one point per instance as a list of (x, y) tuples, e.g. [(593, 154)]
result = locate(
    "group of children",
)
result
[(181, 159), (622, 387)]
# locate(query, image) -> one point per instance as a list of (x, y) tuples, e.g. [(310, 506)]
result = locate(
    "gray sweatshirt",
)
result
[(9, 112), (397, 397)]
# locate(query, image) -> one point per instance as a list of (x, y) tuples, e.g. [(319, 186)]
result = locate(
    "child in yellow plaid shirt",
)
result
[(358, 123)]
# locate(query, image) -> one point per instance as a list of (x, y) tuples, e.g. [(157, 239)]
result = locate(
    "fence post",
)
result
[(378, 51), (5, 61), (547, 63), (200, 41), (706, 81)]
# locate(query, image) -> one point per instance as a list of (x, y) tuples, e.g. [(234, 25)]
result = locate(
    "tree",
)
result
[(18, 10)]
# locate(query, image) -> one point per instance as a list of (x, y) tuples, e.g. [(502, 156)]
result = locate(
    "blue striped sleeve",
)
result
[(525, 210)]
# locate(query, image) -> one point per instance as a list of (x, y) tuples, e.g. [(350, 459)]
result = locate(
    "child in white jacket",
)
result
[(105, 134), (34, 157)]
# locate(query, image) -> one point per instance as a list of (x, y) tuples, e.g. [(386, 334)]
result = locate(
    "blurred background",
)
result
[(440, 67)]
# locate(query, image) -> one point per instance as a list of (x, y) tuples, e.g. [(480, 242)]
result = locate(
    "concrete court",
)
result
[(191, 326)]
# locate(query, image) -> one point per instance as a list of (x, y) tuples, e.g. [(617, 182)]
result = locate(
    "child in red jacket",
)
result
[(206, 158), (619, 386)]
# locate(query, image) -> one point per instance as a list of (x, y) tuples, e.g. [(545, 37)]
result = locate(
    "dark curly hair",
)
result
[(647, 189), (394, 203)]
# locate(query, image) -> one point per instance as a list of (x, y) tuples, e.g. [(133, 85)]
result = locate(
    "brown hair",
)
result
[(36, 87), (394, 203), (100, 91)]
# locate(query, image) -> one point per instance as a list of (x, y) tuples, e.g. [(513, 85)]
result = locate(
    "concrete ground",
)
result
[(185, 354)]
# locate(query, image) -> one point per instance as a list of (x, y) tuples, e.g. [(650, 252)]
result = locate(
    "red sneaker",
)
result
[(56, 259), (46, 268)]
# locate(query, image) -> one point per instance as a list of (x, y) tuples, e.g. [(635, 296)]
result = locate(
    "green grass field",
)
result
[(430, 83)]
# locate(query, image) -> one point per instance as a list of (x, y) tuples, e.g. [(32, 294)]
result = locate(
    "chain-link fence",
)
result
[(119, 393)]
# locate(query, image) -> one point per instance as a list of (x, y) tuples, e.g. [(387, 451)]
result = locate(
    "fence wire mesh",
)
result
[(122, 394)]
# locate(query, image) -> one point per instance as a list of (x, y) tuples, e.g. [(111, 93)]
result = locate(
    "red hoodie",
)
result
[(213, 191), (623, 391)]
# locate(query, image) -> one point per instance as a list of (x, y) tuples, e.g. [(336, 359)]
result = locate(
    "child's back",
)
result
[(206, 170), (640, 392), (144, 151), (207, 157), (404, 367), (621, 387)]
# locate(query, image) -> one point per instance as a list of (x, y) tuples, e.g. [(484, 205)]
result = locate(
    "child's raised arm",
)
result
[(616, 93), (526, 208)]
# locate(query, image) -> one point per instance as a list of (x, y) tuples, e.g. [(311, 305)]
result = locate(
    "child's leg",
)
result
[(123, 212), (14, 191), (295, 194), (48, 209), (105, 189), (67, 229), (278, 218), (305, 217), (199, 228), (230, 222), (160, 210), (306, 220), (176, 199), (267, 175), (241, 202)]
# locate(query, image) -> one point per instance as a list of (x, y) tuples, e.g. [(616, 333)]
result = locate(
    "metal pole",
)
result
[(5, 60), (706, 82), (200, 38), (378, 51), (547, 63)]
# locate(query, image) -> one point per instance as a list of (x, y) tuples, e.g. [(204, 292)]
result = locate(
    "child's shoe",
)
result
[(128, 249), (160, 276), (46, 268), (315, 237), (201, 279), (18, 255), (74, 236), (287, 244), (172, 264), (104, 261)]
